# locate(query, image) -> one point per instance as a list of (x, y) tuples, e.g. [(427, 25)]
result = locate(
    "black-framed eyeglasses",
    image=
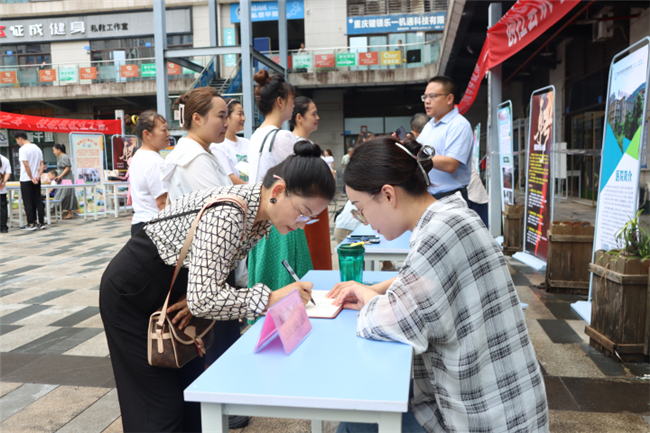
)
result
[(358, 213), (432, 96)]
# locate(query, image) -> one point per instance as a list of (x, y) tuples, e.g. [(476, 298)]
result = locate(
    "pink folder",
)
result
[(66, 182), (80, 182), (288, 320)]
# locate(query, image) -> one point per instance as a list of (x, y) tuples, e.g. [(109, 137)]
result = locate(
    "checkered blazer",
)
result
[(454, 301), (216, 248)]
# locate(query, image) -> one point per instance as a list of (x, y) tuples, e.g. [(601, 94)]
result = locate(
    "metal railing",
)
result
[(93, 72)]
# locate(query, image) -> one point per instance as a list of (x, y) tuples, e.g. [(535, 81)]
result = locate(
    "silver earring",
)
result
[(273, 200)]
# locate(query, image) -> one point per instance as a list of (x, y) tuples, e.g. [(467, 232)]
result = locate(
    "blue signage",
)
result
[(268, 11), (396, 23)]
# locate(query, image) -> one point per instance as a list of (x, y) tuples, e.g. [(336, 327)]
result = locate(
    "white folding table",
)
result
[(394, 251), (333, 375)]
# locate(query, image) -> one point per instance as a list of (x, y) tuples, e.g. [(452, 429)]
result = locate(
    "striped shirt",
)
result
[(454, 301)]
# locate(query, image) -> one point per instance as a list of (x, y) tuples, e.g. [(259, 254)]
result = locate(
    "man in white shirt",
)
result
[(5, 174), (31, 158), (450, 134)]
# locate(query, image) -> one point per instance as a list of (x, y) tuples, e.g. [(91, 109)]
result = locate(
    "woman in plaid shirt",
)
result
[(454, 301)]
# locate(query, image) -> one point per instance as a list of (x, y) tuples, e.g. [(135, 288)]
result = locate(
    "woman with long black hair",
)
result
[(67, 196)]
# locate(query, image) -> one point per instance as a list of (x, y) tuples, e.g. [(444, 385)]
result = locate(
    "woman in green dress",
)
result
[(269, 146), (64, 170)]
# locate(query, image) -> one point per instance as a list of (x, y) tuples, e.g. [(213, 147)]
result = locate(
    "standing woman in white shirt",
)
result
[(191, 166), (268, 147), (304, 121), (148, 191), (5, 174), (233, 149)]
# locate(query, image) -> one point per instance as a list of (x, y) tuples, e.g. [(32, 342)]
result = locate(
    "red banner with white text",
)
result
[(522, 24), (51, 124)]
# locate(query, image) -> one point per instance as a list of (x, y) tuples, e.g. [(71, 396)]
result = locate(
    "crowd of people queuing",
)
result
[(453, 300)]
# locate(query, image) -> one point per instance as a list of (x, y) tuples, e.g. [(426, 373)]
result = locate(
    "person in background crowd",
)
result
[(477, 196), (136, 281), (345, 224), (344, 163), (328, 158), (304, 122), (268, 147), (233, 149), (148, 191), (31, 158), (418, 122), (51, 178), (5, 174), (453, 301), (191, 166), (451, 135), (67, 196)]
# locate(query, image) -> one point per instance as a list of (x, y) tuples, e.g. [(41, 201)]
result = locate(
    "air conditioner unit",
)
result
[(602, 30)]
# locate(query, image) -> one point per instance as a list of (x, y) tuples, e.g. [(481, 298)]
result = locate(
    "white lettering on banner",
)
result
[(380, 22), (18, 31), (35, 29), (402, 21), (409, 21), (386, 22), (521, 28), (357, 24), (418, 21), (532, 19), (364, 24), (425, 21), (372, 24), (57, 29), (77, 27)]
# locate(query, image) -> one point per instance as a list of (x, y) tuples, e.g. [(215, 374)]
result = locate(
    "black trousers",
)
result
[(463, 193), (32, 201), (135, 228), (134, 285), (3, 212)]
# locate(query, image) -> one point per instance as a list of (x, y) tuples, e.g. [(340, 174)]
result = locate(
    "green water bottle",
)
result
[(351, 262)]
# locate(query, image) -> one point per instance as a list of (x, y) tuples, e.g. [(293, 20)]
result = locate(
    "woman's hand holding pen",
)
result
[(351, 295), (304, 288)]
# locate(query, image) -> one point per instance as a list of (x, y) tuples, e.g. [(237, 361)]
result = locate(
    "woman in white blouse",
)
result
[(137, 280), (233, 149), (475, 369), (148, 191), (191, 166)]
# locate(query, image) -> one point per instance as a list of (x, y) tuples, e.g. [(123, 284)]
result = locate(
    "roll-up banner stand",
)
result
[(625, 111), (539, 178), (504, 120), (477, 147), (88, 166), (123, 148)]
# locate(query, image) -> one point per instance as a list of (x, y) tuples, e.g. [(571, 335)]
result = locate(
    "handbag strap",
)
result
[(221, 198), (274, 132)]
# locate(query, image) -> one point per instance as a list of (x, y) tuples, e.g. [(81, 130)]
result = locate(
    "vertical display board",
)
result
[(539, 189), (504, 120), (88, 166), (477, 146), (124, 147), (619, 170)]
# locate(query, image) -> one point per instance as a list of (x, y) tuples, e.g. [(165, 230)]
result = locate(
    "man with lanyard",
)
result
[(450, 134)]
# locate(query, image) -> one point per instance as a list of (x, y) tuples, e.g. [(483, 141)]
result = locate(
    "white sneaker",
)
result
[(29, 227)]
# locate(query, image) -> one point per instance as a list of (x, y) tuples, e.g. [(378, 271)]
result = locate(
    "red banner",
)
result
[(522, 24), (51, 124)]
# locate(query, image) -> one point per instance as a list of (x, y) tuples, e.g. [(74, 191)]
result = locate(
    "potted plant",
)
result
[(619, 312)]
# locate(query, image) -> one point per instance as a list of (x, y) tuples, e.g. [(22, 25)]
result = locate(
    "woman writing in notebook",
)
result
[(453, 301), (136, 282)]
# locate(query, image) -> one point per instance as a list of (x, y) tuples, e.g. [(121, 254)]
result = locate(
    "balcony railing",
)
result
[(108, 71)]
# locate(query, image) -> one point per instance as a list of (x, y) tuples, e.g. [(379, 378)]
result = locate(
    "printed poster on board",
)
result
[(617, 197), (124, 146), (88, 163), (504, 119), (538, 200)]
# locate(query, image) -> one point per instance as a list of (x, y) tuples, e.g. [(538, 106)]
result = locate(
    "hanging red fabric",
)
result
[(522, 24), (52, 124)]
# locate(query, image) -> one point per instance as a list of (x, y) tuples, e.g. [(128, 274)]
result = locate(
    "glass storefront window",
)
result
[(133, 48), (27, 54)]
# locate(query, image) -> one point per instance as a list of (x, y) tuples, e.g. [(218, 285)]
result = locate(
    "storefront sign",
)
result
[(173, 69), (522, 24), (124, 25), (148, 69), (391, 57), (68, 74), (346, 59), (396, 23), (302, 61), (619, 171), (128, 71), (268, 11), (324, 60), (46, 75), (52, 124), (7, 77), (504, 121), (88, 73), (369, 58), (88, 166), (539, 189), (229, 41)]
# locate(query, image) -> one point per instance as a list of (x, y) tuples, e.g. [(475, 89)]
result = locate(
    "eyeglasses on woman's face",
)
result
[(358, 213), (301, 218)]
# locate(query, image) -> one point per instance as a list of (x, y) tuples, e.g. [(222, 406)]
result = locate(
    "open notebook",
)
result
[(323, 308)]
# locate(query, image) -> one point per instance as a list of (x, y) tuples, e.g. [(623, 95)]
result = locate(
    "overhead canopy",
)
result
[(52, 124), (522, 24)]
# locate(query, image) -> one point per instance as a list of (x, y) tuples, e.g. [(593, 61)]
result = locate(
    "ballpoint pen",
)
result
[(293, 274)]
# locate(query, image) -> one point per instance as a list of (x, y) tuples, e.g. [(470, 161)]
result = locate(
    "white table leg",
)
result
[(316, 426), (20, 206), (390, 422), (116, 201), (95, 200), (85, 195), (48, 213), (213, 420)]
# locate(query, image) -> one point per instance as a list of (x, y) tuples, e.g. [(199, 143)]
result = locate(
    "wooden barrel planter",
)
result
[(513, 229), (619, 308), (569, 255)]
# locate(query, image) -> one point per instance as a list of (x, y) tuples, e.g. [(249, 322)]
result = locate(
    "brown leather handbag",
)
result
[(167, 345)]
